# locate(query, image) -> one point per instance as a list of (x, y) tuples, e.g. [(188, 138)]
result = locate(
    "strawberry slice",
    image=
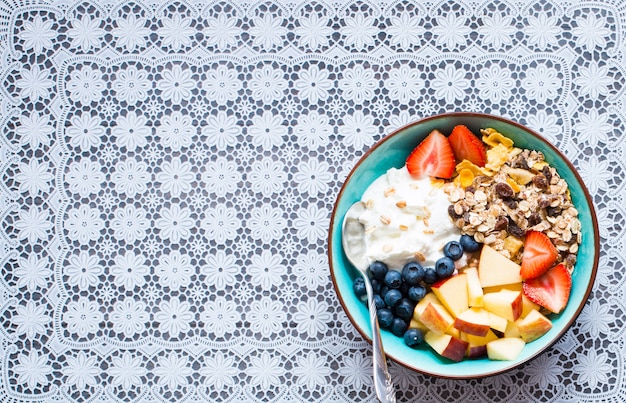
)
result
[(538, 256), (432, 157), (466, 146), (551, 290)]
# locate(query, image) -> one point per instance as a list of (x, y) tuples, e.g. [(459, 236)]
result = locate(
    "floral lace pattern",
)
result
[(169, 172)]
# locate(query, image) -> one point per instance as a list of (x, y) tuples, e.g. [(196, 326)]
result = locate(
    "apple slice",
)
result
[(505, 349), (452, 292), (447, 346), (478, 345), (505, 303), (474, 321), (476, 351), (497, 323), (528, 306), (533, 326), (416, 324), (511, 330), (496, 288), (419, 308), (436, 318), (474, 289), (496, 269)]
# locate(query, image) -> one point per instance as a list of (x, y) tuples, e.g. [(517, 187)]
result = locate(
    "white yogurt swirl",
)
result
[(405, 218)]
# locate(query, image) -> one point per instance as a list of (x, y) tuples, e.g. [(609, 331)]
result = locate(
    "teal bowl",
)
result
[(392, 151)]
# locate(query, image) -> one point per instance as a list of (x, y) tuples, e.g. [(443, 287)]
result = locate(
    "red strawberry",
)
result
[(432, 157), (538, 256), (467, 146), (551, 290)]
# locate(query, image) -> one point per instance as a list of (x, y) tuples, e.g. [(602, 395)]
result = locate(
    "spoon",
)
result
[(353, 241)]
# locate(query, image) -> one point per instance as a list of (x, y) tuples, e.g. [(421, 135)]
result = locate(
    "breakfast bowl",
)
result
[(392, 152)]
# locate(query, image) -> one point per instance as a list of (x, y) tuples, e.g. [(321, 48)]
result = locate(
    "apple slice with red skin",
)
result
[(474, 321), (447, 346), (452, 292), (533, 326)]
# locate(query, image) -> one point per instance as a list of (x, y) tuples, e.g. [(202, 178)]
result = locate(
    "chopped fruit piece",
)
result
[(496, 288), (513, 244), (511, 330), (474, 290), (505, 349), (538, 256), (474, 321), (436, 318), (495, 269), (533, 326), (467, 146), (551, 290), (447, 346), (497, 323), (528, 306), (519, 175), (478, 345), (452, 292), (419, 308), (432, 157), (505, 303), (416, 324), (479, 340), (476, 351)]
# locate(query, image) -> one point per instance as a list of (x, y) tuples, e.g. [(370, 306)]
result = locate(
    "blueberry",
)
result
[(417, 293), (404, 309), (430, 275), (378, 301), (398, 327), (453, 250), (375, 286), (412, 273), (404, 289), (444, 267), (359, 287), (378, 270), (392, 298), (393, 279), (385, 318), (469, 244), (383, 291), (413, 337)]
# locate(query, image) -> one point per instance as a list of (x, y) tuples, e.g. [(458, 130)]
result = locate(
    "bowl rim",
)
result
[(561, 155)]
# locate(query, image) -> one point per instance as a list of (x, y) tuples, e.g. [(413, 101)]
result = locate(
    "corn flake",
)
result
[(493, 138), (496, 157), (512, 184), (473, 168), (466, 177)]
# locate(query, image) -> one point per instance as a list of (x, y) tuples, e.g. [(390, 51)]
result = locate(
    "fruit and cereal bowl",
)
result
[(481, 239)]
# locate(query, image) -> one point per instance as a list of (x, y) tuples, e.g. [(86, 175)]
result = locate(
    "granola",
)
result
[(515, 192)]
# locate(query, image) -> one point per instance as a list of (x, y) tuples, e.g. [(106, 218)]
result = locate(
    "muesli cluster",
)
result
[(516, 191)]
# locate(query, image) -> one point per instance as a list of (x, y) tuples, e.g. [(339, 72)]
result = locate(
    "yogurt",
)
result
[(406, 220)]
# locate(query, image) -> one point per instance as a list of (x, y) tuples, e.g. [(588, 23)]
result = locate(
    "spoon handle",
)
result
[(383, 385)]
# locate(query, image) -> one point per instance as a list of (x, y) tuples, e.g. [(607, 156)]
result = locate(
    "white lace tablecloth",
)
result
[(168, 173)]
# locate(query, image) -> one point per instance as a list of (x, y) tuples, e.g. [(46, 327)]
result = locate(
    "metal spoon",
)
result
[(353, 241)]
